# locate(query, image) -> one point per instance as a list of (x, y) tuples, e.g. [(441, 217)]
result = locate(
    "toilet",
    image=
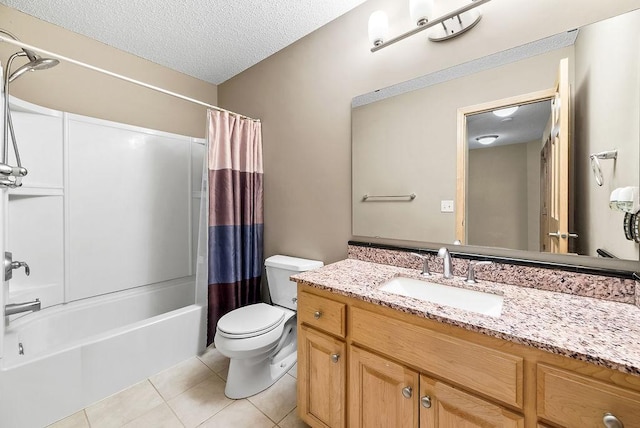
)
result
[(260, 339)]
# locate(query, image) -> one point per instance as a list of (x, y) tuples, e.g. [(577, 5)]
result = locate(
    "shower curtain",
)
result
[(235, 214)]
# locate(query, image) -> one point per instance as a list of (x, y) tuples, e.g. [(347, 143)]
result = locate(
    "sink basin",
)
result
[(461, 298)]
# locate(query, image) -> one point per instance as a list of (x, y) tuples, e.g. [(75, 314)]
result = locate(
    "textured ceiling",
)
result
[(525, 125), (212, 40)]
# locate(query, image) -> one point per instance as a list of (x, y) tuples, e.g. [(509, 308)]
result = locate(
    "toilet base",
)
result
[(250, 376)]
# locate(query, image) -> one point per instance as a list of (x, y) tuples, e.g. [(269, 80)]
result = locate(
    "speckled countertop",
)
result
[(597, 331)]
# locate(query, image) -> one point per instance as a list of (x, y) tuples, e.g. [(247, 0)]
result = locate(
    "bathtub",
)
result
[(62, 359)]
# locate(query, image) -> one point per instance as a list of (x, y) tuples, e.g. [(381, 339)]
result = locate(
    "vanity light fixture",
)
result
[(486, 139), (378, 27), (504, 112), (452, 24)]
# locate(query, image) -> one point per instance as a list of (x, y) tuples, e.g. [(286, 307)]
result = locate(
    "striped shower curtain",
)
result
[(235, 214)]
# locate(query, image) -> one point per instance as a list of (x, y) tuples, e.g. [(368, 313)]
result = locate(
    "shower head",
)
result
[(34, 65)]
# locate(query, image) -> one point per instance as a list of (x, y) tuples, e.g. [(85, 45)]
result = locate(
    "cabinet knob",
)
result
[(335, 358), (426, 402), (317, 315), (610, 421), (407, 392)]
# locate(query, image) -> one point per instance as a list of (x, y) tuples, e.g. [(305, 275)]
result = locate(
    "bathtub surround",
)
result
[(235, 214), (602, 287), (60, 375), (118, 298)]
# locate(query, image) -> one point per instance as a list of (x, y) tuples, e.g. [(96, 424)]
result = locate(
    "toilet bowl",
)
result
[(260, 339)]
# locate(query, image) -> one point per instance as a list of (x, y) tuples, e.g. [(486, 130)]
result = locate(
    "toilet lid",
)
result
[(251, 320)]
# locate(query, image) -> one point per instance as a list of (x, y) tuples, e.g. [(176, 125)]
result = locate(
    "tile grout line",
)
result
[(231, 402), (260, 410), (165, 402)]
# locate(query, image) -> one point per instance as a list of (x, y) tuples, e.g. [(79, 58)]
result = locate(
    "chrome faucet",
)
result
[(425, 264), (10, 265), (443, 253), (16, 308), (471, 274)]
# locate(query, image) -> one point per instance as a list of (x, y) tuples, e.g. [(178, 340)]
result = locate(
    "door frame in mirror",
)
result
[(462, 146)]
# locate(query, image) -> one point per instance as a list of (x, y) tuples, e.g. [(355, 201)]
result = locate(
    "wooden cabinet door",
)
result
[(442, 406), (321, 379), (382, 393)]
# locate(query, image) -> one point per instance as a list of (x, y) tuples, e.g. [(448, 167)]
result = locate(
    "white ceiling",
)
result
[(212, 40), (525, 125)]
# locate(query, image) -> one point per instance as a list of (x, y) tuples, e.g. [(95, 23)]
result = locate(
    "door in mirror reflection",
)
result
[(517, 174)]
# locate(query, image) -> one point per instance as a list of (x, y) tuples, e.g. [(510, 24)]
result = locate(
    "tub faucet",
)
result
[(16, 308), (443, 253)]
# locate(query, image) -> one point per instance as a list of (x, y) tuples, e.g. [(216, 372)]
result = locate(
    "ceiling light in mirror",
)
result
[(378, 27), (504, 112), (487, 139)]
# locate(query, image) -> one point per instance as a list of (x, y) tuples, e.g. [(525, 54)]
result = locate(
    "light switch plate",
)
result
[(446, 206)]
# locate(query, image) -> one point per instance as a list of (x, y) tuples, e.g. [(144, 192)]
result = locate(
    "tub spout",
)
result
[(16, 308)]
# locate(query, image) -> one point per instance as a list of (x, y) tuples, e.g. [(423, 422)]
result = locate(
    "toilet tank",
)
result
[(279, 268)]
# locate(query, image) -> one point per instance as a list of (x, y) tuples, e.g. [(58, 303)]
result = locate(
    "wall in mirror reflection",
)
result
[(407, 144)]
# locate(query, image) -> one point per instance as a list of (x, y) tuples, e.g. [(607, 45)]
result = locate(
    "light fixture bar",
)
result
[(430, 24)]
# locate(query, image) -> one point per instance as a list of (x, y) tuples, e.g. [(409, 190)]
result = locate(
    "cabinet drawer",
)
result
[(485, 370), (573, 400), (321, 313), (450, 407)]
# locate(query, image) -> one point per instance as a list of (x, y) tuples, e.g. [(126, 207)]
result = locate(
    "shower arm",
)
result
[(30, 54), (5, 168)]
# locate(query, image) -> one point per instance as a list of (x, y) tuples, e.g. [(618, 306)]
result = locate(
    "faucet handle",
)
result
[(471, 275), (425, 264), (18, 265)]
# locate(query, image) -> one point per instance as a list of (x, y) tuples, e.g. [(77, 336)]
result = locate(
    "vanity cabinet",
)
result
[(408, 371), (442, 405), (321, 378), (321, 361), (382, 393)]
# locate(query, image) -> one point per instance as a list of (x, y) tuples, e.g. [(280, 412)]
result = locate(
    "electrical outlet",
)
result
[(446, 206)]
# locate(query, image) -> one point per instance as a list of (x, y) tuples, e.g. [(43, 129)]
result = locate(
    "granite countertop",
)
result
[(597, 331)]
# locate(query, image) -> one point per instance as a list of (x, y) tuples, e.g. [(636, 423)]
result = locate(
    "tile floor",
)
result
[(189, 395)]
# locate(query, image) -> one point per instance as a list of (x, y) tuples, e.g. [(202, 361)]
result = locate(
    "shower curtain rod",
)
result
[(118, 76)]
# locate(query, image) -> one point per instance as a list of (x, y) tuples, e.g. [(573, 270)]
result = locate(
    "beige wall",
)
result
[(303, 95), (71, 88), (504, 196), (607, 68)]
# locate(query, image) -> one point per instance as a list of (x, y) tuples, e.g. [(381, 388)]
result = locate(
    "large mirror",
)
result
[(419, 173)]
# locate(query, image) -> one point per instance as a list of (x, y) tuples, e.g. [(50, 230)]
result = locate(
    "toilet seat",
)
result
[(250, 321)]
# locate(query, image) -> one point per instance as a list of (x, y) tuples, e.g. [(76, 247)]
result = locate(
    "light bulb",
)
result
[(378, 27), (420, 10)]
